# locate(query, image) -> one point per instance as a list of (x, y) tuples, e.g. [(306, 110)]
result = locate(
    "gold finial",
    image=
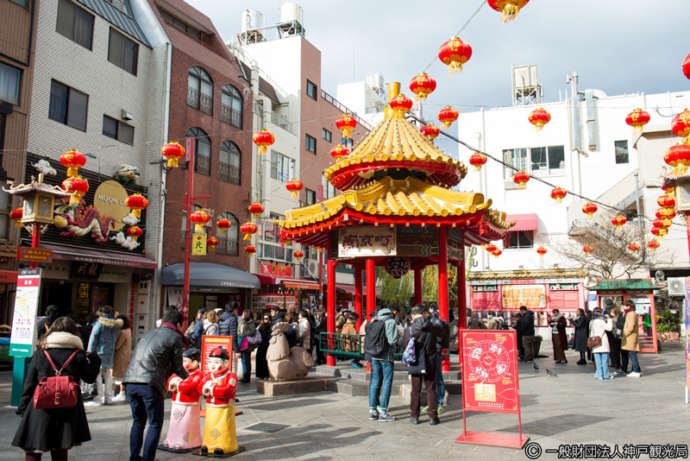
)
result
[(393, 90)]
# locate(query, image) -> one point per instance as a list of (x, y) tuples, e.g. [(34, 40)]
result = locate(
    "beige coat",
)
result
[(123, 352), (630, 340), (350, 328)]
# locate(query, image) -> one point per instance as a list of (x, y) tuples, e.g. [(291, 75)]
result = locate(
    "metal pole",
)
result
[(443, 283), (640, 214), (330, 315), (371, 286), (188, 205), (321, 279), (35, 240)]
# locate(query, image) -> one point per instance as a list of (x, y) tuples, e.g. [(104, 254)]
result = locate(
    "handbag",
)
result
[(244, 343), (409, 356), (56, 391), (593, 341)]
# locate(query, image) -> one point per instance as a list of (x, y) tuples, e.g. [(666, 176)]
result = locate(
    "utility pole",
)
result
[(575, 131), (640, 215)]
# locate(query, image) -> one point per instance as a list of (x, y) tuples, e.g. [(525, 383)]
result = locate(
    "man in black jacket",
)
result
[(526, 326), (425, 336), (157, 356)]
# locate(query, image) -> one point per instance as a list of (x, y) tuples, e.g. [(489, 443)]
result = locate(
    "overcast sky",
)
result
[(619, 46)]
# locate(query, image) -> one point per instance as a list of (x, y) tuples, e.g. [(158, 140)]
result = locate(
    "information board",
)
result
[(490, 377), (25, 307), (532, 296), (208, 343)]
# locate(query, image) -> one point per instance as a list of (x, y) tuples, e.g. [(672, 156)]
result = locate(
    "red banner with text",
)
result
[(208, 343)]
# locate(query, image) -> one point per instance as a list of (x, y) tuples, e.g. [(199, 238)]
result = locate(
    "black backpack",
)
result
[(375, 341)]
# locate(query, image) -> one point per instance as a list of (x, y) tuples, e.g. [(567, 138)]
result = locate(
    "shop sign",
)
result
[(25, 308), (199, 244), (86, 271), (8, 277), (687, 340), (531, 296), (276, 269), (366, 241), (208, 343), (110, 200), (36, 255), (110, 274)]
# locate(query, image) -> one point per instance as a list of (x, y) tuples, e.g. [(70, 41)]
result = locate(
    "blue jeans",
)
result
[(632, 355), (601, 359), (146, 402), (379, 369), (246, 365), (440, 386)]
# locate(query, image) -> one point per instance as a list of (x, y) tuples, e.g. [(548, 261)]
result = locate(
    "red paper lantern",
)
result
[(539, 117), (294, 186), (541, 251), (666, 201), (558, 194), (589, 209), (173, 152), (339, 151), (634, 247), (497, 253), (477, 160), (661, 223), (16, 216), (212, 243), (264, 139), (346, 124), (666, 213), (653, 245), (619, 221), (678, 156), (72, 160), (135, 232), (587, 249), (508, 8), (256, 209), (680, 124), (77, 186), (136, 203), (659, 232), (298, 255), (422, 85), (454, 53), (637, 119), (491, 248), (199, 218), (248, 229), (250, 249), (520, 178), (447, 116), (430, 131), (686, 66), (400, 104), (223, 225)]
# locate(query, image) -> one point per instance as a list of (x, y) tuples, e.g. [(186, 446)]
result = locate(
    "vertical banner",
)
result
[(199, 244), (25, 308), (208, 343), (687, 339)]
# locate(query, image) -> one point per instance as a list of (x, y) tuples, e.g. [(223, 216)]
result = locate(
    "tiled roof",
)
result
[(112, 14)]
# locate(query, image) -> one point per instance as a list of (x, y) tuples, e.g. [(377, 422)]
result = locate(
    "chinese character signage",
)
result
[(276, 269), (199, 244), (687, 340), (365, 241), (532, 296), (490, 378), (25, 307), (208, 343)]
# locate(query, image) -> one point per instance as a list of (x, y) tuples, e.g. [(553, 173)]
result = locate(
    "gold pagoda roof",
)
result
[(395, 144)]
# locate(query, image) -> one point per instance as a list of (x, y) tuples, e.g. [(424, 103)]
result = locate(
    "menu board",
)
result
[(490, 381), (532, 296), (208, 343)]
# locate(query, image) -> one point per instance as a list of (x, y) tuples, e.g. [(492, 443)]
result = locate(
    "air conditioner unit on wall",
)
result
[(676, 286)]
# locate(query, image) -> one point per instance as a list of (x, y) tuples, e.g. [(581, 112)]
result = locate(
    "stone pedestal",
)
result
[(292, 387)]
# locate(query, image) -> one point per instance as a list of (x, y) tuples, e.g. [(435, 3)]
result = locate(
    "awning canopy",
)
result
[(69, 253), (523, 222), (288, 282), (624, 284), (209, 275)]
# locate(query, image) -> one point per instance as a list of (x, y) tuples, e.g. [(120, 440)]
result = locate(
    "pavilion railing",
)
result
[(346, 346)]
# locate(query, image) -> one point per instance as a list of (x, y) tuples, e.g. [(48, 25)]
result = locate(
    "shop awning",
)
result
[(288, 282), (349, 287), (625, 284), (523, 222), (67, 253), (209, 275)]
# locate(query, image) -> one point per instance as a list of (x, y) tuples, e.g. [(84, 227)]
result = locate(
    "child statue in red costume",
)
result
[(219, 386), (184, 432)]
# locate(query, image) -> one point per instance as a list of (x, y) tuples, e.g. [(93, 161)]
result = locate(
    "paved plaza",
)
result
[(564, 406)]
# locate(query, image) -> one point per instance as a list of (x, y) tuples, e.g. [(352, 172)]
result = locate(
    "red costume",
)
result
[(184, 432), (188, 390)]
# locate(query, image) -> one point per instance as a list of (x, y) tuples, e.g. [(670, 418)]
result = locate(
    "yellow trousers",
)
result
[(219, 429)]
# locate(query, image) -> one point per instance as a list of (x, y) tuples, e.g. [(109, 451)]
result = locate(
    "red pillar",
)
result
[(188, 206), (330, 304), (358, 294), (462, 305), (418, 285), (35, 240), (443, 282), (371, 286)]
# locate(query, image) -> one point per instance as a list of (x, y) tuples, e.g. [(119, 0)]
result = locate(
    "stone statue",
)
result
[(285, 363)]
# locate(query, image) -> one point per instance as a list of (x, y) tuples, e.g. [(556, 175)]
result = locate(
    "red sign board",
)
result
[(276, 269), (8, 277), (490, 377), (208, 343), (37, 255)]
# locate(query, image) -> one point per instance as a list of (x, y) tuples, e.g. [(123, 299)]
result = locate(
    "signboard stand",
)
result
[(211, 342), (490, 383)]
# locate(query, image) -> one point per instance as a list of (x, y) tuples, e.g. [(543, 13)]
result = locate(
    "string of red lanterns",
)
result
[(454, 53), (558, 194), (477, 160), (447, 116), (422, 85)]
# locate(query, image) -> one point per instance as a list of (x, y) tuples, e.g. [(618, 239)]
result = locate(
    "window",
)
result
[(621, 151), (202, 151), (118, 130), (543, 161), (282, 167), (228, 242), (327, 135), (10, 79), (123, 52), (68, 105), (309, 196), (327, 189), (24, 3), (517, 158), (200, 90), (187, 29), (521, 239), (310, 143), (311, 89), (229, 162), (75, 23), (231, 106)]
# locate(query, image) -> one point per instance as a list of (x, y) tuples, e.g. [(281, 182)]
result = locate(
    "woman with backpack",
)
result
[(59, 429)]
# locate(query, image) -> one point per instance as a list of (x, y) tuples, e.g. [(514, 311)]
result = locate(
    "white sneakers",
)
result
[(120, 397), (633, 374)]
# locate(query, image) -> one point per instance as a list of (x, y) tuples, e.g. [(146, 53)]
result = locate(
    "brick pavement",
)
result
[(571, 407)]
